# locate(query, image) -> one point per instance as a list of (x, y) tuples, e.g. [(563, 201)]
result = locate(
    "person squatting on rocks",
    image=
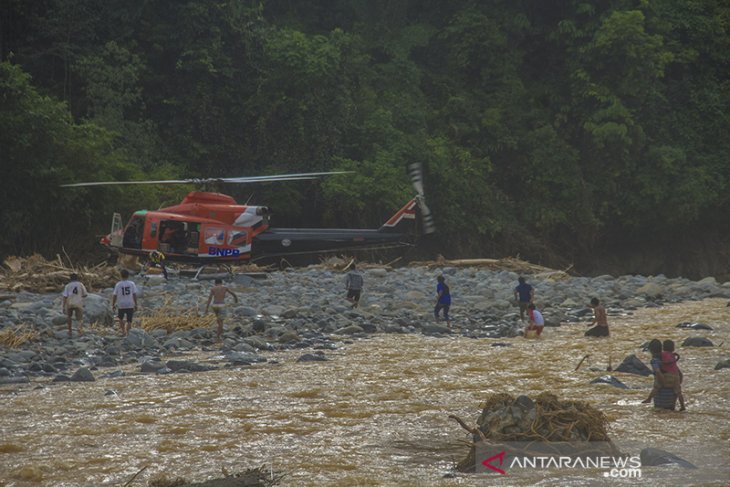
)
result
[(524, 294), (443, 300), (671, 375), (600, 319), (354, 283), (124, 298), (157, 259), (218, 296), (537, 322), (73, 302)]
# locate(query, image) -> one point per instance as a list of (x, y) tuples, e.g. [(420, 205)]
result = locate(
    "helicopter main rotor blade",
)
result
[(241, 180)]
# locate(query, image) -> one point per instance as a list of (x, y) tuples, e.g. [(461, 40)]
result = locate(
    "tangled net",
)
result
[(505, 418)]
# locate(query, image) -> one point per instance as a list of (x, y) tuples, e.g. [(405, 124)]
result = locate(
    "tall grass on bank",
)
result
[(15, 337)]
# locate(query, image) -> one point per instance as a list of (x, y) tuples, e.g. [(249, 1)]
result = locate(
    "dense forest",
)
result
[(584, 132)]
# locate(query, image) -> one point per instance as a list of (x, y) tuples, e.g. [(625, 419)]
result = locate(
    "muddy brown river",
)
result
[(375, 414)]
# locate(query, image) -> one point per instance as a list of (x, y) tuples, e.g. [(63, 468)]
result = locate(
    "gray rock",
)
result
[(652, 457), (240, 358), (246, 311), (349, 330), (697, 342), (435, 329), (694, 326), (18, 379), (259, 326), (633, 365), (138, 338), (83, 375), (257, 342), (723, 364), (288, 336), (312, 357), (151, 366), (610, 380), (97, 309), (179, 365)]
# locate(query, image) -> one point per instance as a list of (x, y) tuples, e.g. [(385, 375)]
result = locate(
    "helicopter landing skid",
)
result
[(224, 272)]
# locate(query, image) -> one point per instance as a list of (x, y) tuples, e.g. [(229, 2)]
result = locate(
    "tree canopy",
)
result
[(553, 130)]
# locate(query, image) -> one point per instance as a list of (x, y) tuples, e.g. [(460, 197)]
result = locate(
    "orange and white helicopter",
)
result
[(208, 227)]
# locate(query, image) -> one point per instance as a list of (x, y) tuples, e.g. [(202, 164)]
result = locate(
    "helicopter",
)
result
[(212, 228)]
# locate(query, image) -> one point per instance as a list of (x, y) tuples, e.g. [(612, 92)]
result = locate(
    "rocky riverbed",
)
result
[(305, 309)]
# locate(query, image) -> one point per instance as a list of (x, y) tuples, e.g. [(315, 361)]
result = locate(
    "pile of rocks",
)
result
[(306, 308)]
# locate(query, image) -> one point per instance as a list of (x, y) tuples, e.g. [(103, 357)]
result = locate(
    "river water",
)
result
[(375, 414)]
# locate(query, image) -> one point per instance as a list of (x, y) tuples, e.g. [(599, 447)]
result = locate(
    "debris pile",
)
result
[(505, 418), (169, 318), (36, 274)]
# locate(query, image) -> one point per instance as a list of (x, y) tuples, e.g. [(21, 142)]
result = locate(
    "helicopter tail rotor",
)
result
[(415, 171)]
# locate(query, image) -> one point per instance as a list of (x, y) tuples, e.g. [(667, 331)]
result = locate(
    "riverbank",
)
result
[(304, 309)]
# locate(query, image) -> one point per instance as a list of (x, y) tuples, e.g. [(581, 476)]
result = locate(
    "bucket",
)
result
[(531, 334)]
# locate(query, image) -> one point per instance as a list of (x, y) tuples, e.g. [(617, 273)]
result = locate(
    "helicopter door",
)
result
[(133, 233), (116, 233)]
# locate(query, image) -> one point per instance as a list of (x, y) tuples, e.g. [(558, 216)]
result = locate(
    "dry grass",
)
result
[(169, 318), (18, 335)]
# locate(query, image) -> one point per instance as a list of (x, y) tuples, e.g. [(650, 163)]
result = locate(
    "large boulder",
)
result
[(97, 309), (633, 365), (610, 380), (697, 342), (138, 338), (723, 364), (652, 457), (83, 375)]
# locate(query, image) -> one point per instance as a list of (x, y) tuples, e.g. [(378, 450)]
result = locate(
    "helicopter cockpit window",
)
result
[(153, 229), (215, 236), (237, 239)]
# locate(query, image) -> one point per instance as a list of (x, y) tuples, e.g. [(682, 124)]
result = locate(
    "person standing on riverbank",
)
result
[(125, 298), (600, 319), (524, 294), (218, 296), (354, 283), (73, 302), (443, 300)]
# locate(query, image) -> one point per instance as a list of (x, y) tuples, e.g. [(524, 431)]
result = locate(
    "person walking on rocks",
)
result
[(124, 298), (524, 294), (353, 283), (218, 296), (73, 302), (600, 319), (443, 300)]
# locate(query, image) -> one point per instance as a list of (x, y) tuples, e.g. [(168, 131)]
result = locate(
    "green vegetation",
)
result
[(546, 128)]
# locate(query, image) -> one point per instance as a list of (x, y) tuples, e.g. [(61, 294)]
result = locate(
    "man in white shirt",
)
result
[(125, 298), (73, 302)]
